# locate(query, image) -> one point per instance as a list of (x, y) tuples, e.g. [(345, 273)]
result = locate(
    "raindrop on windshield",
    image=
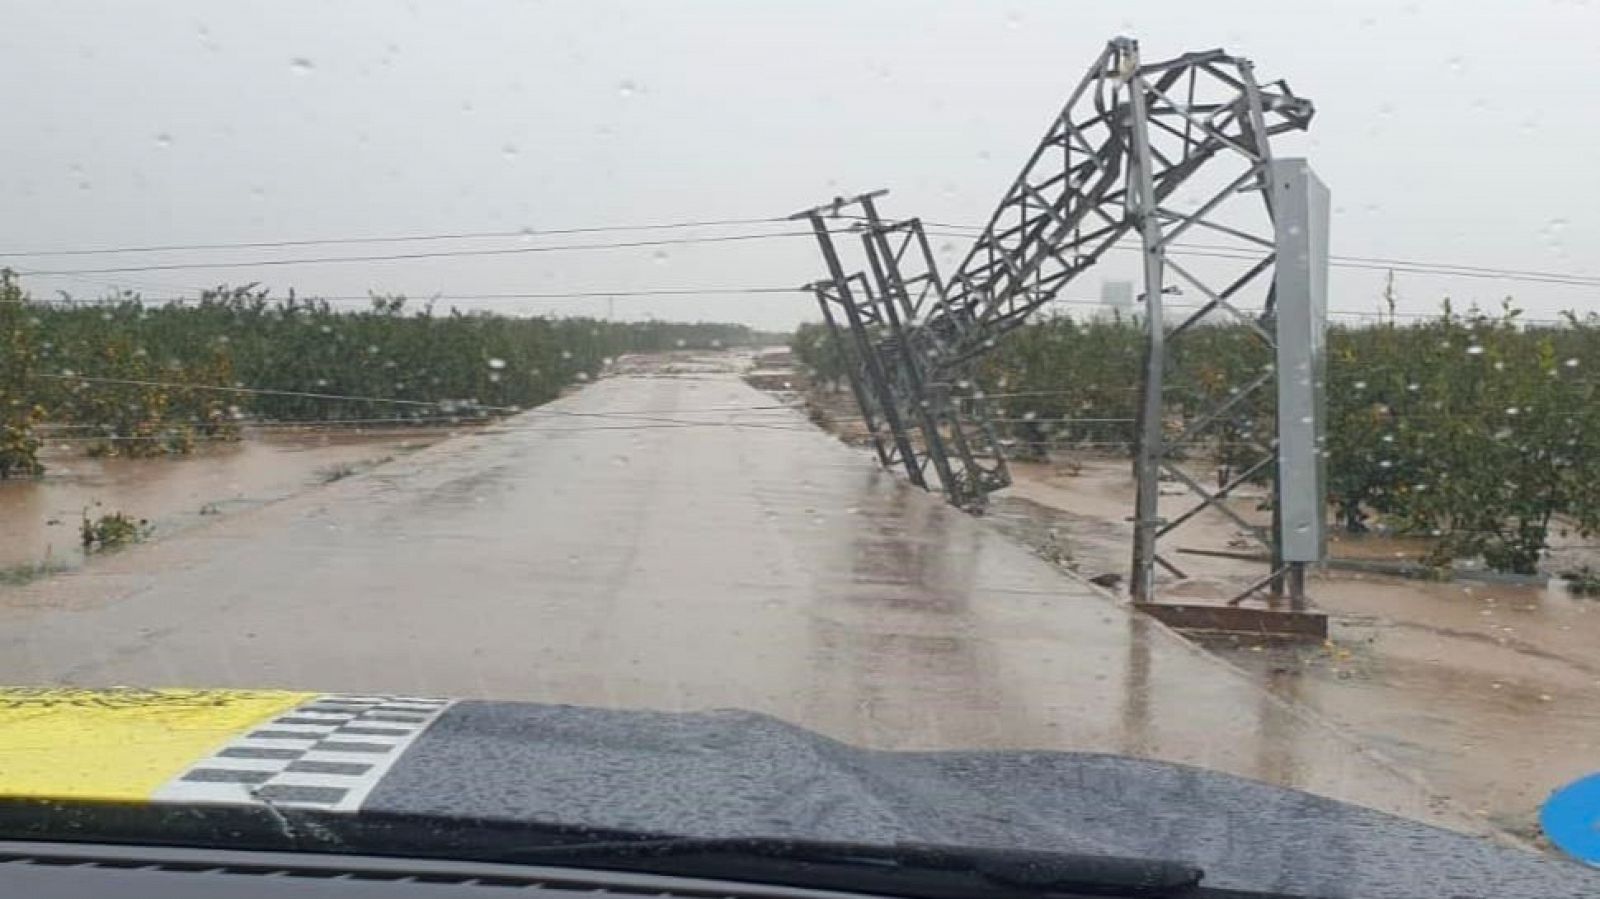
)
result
[(301, 66)]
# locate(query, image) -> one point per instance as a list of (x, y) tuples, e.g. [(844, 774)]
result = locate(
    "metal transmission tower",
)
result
[(921, 416), (864, 367), (1271, 216), (1162, 150)]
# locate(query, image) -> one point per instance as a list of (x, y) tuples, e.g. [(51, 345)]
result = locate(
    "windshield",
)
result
[(1215, 390)]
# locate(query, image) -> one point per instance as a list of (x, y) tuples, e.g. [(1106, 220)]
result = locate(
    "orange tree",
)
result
[(132, 378), (1479, 430), (20, 406)]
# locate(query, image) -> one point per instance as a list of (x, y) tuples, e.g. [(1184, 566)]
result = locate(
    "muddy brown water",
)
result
[(1490, 691), (39, 517)]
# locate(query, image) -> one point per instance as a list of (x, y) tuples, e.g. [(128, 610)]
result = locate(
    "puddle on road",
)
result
[(39, 518)]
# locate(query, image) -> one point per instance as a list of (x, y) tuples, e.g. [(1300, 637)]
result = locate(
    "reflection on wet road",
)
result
[(667, 539)]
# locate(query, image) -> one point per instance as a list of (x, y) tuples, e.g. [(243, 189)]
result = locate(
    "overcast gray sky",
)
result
[(1448, 132)]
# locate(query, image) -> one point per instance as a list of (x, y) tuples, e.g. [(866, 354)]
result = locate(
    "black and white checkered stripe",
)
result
[(326, 753)]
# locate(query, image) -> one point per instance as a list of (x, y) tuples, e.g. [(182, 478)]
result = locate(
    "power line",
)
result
[(457, 419), (391, 257), (579, 294), (472, 297), (125, 283), (404, 238), (51, 427), (704, 291), (1355, 313), (1375, 263), (1410, 265), (488, 429), (263, 391), (662, 423), (642, 414)]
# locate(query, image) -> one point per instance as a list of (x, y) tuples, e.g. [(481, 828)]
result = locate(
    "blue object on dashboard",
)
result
[(1571, 819)]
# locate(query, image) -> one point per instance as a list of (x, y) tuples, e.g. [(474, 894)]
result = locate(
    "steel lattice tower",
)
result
[(1155, 152)]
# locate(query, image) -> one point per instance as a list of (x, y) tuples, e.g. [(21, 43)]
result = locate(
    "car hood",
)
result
[(67, 756)]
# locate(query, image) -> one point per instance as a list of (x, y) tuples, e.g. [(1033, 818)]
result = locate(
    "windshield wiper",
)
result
[(909, 870), (917, 871)]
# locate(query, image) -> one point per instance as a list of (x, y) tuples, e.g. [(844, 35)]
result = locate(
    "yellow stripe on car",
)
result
[(118, 744)]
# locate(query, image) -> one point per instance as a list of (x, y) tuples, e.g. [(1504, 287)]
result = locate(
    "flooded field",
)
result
[(40, 518)]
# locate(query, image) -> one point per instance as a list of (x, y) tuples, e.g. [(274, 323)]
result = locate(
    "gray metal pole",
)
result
[(873, 365), (852, 375), (1148, 437), (879, 256), (893, 287)]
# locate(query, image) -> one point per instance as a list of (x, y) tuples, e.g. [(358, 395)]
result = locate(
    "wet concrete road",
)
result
[(667, 538)]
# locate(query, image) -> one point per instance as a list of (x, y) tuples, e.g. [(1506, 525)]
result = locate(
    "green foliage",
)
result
[(28, 572), (1028, 372), (1470, 428), (1477, 429), (1582, 581), (1474, 429), (336, 472), (111, 530), (110, 375), (20, 410), (818, 351)]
